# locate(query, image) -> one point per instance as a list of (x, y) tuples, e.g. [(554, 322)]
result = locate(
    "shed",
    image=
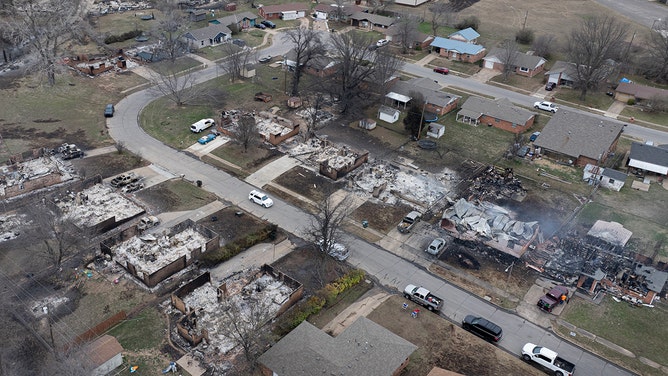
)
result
[(248, 71), (231, 7), (435, 130), (368, 124), (104, 354), (605, 177), (388, 114)]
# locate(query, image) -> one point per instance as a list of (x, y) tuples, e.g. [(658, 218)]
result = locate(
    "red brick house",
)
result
[(291, 11), (498, 113), (457, 50)]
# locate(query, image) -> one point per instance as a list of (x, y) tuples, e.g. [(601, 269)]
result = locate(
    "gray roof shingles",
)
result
[(498, 108), (364, 348), (575, 134), (428, 88), (520, 59), (649, 154)]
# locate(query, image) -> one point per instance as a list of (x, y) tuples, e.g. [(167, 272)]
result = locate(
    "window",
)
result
[(611, 181), (523, 69)]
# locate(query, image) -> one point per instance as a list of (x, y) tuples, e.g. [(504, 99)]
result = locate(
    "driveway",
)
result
[(388, 268)]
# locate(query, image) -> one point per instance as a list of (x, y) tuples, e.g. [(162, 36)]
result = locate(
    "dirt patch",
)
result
[(250, 160), (310, 267), (175, 195), (381, 217), (107, 165), (232, 223), (308, 183), (442, 344)]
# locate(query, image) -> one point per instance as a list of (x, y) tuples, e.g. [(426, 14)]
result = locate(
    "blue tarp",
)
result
[(625, 80)]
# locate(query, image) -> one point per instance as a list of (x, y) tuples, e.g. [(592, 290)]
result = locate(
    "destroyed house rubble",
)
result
[(153, 257), (201, 303), (34, 171), (495, 183), (333, 161), (95, 206), (390, 183), (491, 222), (273, 129)]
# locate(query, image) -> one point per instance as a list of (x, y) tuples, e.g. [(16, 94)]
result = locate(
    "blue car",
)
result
[(205, 139)]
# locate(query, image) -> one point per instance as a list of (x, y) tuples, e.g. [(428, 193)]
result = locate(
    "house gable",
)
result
[(468, 35), (437, 101), (307, 351), (500, 113), (580, 137)]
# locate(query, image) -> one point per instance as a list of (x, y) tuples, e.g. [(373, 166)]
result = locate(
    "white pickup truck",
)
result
[(424, 297), (547, 359)]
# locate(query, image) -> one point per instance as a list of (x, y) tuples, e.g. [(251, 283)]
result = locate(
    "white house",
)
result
[(649, 158), (605, 177), (388, 114)]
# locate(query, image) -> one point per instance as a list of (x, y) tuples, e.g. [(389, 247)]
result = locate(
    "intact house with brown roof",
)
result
[(436, 101), (370, 21), (578, 139), (335, 12), (417, 40), (649, 158), (638, 93), (364, 348), (522, 64), (499, 113), (291, 11)]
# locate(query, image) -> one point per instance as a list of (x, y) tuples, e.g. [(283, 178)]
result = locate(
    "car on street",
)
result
[(546, 106), (260, 198), (265, 59), (109, 110), (550, 86), (382, 42), (260, 26), (269, 24), (336, 250), (534, 136), (206, 139), (483, 328), (442, 70), (435, 246)]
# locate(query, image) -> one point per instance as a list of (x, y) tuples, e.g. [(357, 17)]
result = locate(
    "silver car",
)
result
[(436, 246)]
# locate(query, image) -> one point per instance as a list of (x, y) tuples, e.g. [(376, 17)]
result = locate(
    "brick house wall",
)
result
[(506, 125)]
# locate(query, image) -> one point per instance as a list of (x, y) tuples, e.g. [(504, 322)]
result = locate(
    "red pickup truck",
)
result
[(557, 295)]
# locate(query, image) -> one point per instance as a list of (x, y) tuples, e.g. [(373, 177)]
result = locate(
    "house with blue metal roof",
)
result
[(457, 50), (468, 35)]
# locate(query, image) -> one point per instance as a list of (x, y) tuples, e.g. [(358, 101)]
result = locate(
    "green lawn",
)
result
[(443, 31), (179, 65), (594, 99), (638, 329), (529, 84), (144, 331), (659, 118), (467, 69)]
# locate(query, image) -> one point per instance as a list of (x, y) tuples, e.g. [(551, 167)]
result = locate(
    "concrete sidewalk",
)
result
[(256, 256)]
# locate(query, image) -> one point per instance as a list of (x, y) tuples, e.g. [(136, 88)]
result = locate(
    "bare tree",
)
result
[(178, 88), (325, 227), (237, 59), (439, 15), (306, 46), (414, 120), (354, 69), (407, 32), (171, 27), (46, 26), (544, 45), (386, 64), (55, 237), (590, 46), (314, 101), (246, 133), (243, 322), (508, 57), (339, 12), (656, 63)]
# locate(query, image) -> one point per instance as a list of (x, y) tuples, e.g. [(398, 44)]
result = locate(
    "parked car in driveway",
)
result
[(483, 328), (442, 70), (260, 198), (206, 139), (435, 246), (382, 42), (109, 110), (550, 86), (534, 136), (546, 106), (260, 26), (265, 59)]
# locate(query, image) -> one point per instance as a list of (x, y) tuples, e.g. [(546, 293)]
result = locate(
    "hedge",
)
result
[(235, 247)]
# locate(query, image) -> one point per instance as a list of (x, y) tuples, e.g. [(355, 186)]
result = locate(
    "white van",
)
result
[(202, 125)]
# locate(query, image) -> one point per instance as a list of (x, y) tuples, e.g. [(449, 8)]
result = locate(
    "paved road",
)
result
[(643, 12), (388, 268)]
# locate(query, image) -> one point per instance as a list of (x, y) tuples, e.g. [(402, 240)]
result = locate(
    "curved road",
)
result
[(389, 269)]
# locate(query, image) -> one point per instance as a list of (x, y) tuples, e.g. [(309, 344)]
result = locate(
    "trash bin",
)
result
[(365, 223), (199, 184)]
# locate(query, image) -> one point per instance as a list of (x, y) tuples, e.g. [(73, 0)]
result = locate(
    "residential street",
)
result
[(389, 269)]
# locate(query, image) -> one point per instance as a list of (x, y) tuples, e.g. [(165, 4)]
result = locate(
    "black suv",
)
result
[(484, 329), (269, 24)]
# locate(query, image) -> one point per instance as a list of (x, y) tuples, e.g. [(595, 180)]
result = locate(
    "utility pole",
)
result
[(524, 24)]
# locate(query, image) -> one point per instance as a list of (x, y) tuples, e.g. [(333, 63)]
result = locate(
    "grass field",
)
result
[(635, 328)]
